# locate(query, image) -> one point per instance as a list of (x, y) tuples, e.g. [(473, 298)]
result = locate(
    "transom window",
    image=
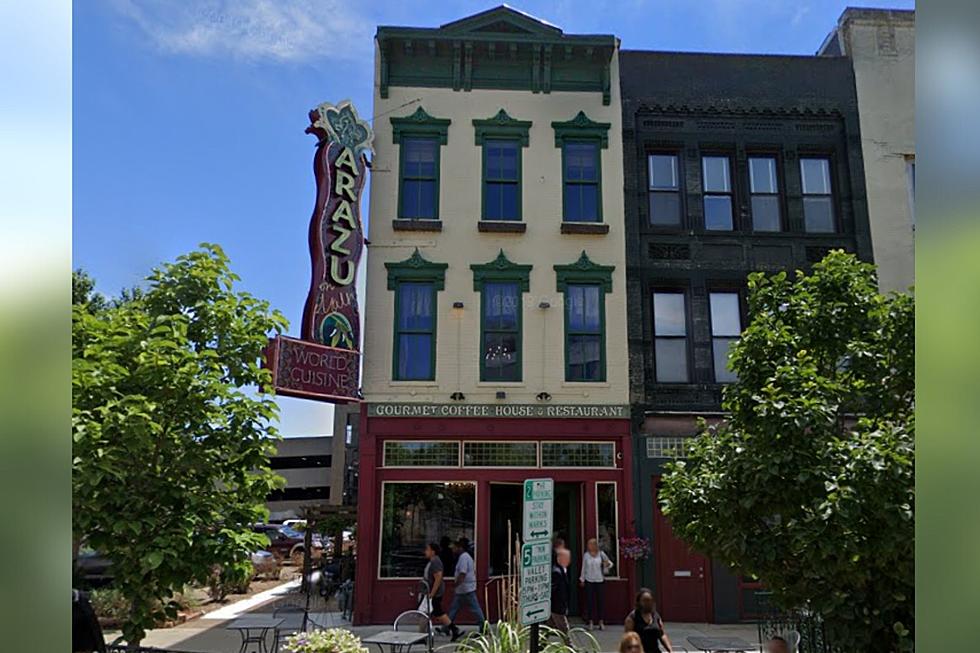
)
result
[(500, 454), (584, 333), (580, 160), (419, 178), (664, 190), (500, 354), (422, 453), (501, 179), (726, 327), (717, 193), (764, 188), (578, 454), (670, 336), (415, 331), (818, 198)]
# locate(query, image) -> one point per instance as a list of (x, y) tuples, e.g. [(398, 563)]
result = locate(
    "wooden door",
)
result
[(683, 575)]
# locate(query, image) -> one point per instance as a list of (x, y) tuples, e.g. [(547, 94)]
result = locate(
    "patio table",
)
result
[(254, 628), (721, 644), (397, 640)]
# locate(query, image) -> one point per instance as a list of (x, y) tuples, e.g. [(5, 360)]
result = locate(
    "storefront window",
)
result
[(421, 454), (607, 527), (500, 454), (414, 514), (578, 454)]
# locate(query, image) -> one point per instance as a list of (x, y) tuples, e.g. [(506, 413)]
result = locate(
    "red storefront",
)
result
[(426, 477)]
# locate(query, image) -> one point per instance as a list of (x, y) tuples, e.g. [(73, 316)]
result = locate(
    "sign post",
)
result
[(535, 597)]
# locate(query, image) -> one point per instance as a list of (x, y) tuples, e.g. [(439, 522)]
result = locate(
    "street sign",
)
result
[(535, 598), (539, 499)]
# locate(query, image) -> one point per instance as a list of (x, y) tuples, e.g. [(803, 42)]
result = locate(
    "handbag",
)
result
[(425, 604)]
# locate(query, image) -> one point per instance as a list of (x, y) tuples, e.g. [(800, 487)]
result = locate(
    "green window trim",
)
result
[(597, 183), (502, 270), (585, 273), (502, 126), (416, 269), (581, 127), (420, 125)]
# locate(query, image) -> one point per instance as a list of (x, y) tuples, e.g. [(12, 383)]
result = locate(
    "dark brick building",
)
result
[(733, 164)]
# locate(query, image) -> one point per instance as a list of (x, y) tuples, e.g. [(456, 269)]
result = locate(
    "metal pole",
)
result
[(535, 638)]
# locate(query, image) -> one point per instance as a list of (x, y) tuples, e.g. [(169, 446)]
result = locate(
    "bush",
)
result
[(109, 604), (509, 637), (229, 579), (331, 640)]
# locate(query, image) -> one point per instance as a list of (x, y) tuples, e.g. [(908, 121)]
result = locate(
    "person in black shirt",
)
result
[(86, 633), (561, 590), (447, 557), (646, 622)]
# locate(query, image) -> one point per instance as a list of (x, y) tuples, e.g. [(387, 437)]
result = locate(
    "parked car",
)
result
[(92, 569), (287, 543)]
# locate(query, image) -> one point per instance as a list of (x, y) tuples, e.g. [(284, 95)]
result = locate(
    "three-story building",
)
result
[(495, 321)]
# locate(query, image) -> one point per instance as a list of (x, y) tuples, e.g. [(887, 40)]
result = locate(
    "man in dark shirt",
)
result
[(561, 590)]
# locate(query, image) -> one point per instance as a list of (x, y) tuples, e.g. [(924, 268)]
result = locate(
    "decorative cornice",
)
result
[(420, 123), (501, 269), (416, 268), (733, 109), (581, 126), (584, 271), (502, 126)]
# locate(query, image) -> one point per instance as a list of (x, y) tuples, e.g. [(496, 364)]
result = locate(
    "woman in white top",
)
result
[(595, 563)]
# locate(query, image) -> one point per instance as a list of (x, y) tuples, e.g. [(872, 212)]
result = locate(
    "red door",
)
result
[(683, 576)]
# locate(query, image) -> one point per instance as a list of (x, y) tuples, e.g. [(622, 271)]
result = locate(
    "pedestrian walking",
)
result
[(645, 621), (434, 581), (595, 565), (561, 591), (464, 594)]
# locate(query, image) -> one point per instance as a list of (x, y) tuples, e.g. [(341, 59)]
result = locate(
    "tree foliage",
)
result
[(809, 483), (170, 440)]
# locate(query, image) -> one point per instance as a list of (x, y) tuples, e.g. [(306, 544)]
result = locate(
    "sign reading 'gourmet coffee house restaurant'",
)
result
[(544, 411)]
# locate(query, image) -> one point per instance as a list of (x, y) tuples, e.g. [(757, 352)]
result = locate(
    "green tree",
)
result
[(809, 483), (171, 441)]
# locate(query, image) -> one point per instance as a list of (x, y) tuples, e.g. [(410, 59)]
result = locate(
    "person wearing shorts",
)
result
[(433, 578)]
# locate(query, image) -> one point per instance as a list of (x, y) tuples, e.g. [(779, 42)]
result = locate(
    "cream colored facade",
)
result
[(460, 244), (881, 44)]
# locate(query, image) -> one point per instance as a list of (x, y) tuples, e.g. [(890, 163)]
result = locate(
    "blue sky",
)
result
[(188, 117)]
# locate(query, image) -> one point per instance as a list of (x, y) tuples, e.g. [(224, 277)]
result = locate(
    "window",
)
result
[(818, 199), (415, 332), (607, 523), (670, 336), (580, 160), (666, 446), (500, 355), (414, 514), (399, 453), (419, 178), (500, 454), (726, 326), (583, 333), (501, 179), (578, 454), (665, 190), (300, 462), (717, 193), (764, 188)]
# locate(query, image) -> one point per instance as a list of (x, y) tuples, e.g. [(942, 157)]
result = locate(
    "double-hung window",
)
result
[(415, 331), (717, 179), (664, 189), (726, 327), (501, 179), (501, 332), (419, 178), (584, 338), (764, 189), (581, 174), (670, 336), (818, 197)]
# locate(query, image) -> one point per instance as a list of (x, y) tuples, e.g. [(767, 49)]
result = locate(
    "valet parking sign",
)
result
[(325, 364), (535, 597)]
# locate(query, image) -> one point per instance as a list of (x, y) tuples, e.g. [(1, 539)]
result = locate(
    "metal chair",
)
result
[(792, 638), (295, 620), (416, 620)]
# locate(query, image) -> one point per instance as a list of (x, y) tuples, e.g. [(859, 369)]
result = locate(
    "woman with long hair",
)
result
[(645, 621), (630, 643)]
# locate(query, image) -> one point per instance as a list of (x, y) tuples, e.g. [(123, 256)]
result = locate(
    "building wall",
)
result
[(300, 478), (881, 46), (460, 244)]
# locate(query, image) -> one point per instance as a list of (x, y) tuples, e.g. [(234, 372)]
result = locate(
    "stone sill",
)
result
[(597, 228), (400, 224), (502, 226)]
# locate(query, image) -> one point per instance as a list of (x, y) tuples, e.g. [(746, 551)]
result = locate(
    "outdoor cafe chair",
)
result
[(295, 620), (416, 621), (792, 638)]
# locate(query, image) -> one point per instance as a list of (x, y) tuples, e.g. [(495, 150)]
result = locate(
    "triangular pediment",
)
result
[(502, 20)]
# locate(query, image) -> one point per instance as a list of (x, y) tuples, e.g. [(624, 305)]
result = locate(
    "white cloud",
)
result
[(282, 30)]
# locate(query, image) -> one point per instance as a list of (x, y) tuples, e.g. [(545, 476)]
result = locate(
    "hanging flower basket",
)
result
[(331, 640), (634, 548)]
